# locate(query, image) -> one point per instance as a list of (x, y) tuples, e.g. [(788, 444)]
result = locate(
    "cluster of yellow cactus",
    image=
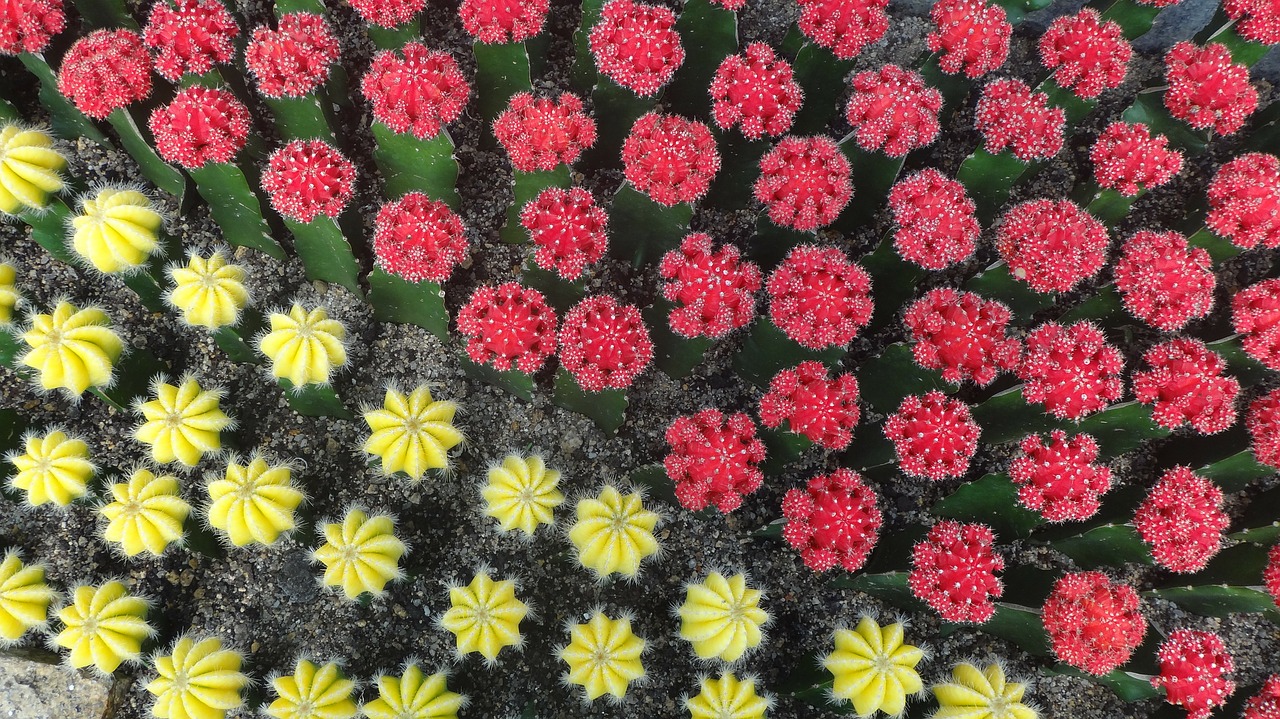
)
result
[(30, 169)]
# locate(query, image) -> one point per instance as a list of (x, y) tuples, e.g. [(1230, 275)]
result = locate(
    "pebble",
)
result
[(32, 689)]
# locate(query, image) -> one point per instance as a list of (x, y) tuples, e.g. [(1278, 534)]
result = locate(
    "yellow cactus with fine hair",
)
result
[(54, 468), (253, 502), (414, 695), (313, 692), (412, 433), (484, 616), (183, 423), (197, 679), (721, 617), (614, 532), (975, 693), (117, 230), (72, 349), (30, 169), (522, 494), (874, 668), (146, 513), (24, 597), (103, 627), (209, 291), (304, 347), (361, 554), (603, 656), (9, 295), (728, 698)]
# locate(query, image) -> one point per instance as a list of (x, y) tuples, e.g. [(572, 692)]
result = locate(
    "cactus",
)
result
[(603, 656), (414, 692), (361, 553), (103, 627), (198, 677), (985, 692), (146, 513), (484, 616), (874, 668), (613, 533), (721, 617), (313, 692)]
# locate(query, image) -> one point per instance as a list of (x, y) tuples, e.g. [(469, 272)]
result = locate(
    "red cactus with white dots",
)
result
[(1164, 281), (961, 334), (814, 404), (1129, 159), (1266, 703), (1182, 520), (1185, 385), (569, 229), (508, 327), (756, 92), (893, 110), (104, 71), (29, 25), (953, 570), (833, 521), (844, 27), (669, 158), (501, 21), (714, 290), (1244, 201), (190, 37), (933, 435), (1052, 245), (804, 182), (1194, 667), (1071, 370), (1263, 424), (1059, 478), (1093, 624), (1010, 115), (636, 45), (1086, 54), (415, 89), (419, 239), (1271, 574), (1255, 313), (387, 13), (604, 344), (1256, 20), (1206, 89), (819, 297), (200, 125), (292, 60), (971, 35), (308, 178), (714, 459), (935, 220), (542, 133)]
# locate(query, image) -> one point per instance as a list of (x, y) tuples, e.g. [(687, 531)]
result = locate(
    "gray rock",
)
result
[(39, 690)]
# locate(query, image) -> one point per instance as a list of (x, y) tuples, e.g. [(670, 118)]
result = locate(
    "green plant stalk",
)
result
[(314, 400), (709, 34), (989, 177), (49, 229), (140, 148), (397, 300), (767, 350), (514, 381), (132, 377), (105, 14), (873, 176), (235, 207), (527, 185), (502, 70), (623, 108), (673, 353), (325, 253), (302, 118), (68, 122), (733, 186), (608, 408), (1134, 18), (8, 113), (821, 74), (560, 293), (284, 7), (644, 230), (998, 283), (583, 76), (394, 38), (409, 164)]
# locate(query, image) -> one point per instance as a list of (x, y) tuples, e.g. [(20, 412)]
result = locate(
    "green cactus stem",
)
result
[(1236, 472), (409, 164), (315, 400), (513, 381), (767, 350), (645, 230), (709, 34), (673, 354), (527, 185), (302, 118), (396, 299), (607, 408), (49, 229), (235, 207), (1219, 249), (1134, 18), (1111, 545), (394, 38), (998, 283), (105, 14), (67, 121), (140, 148), (560, 293), (893, 280), (502, 70), (821, 74), (989, 177), (1129, 686), (732, 188), (991, 500), (1219, 600), (325, 253), (133, 375), (873, 175)]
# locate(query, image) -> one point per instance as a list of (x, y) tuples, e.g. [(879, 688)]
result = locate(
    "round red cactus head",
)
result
[(814, 404), (1071, 369), (670, 159), (1051, 245), (971, 35), (1010, 115), (953, 570), (1058, 478), (1182, 520), (636, 45), (1186, 384), (1244, 201), (1256, 20), (200, 125), (1086, 54), (387, 13), (569, 229), (1271, 580), (933, 435), (714, 460), (833, 521), (499, 21), (936, 224), (105, 70), (308, 178), (604, 344), (28, 25), (756, 91), (961, 334), (1128, 158), (1094, 624), (1193, 671), (819, 298), (1264, 428), (541, 133), (293, 60), (805, 182), (714, 290), (418, 238), (508, 327), (893, 110), (843, 26), (1266, 703), (1163, 281), (190, 37), (415, 89), (1206, 89)]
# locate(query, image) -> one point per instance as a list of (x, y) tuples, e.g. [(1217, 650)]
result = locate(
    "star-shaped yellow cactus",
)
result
[(198, 679), (24, 597), (414, 695), (313, 692), (146, 513), (117, 230), (183, 423), (103, 627), (304, 347), (361, 554), (9, 294), (981, 694), (721, 617), (209, 291), (54, 468), (72, 349), (614, 533), (727, 698), (30, 169), (873, 668), (253, 502), (603, 656), (522, 493), (412, 433), (485, 616)]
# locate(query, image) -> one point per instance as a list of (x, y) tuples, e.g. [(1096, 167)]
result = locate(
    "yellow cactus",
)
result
[(485, 616), (209, 291), (412, 433), (24, 597), (254, 502), (313, 692), (414, 695), (614, 533), (727, 698), (117, 229), (721, 617), (873, 668), (104, 626), (30, 169), (146, 513), (198, 679), (603, 656), (522, 493), (361, 554), (55, 468), (9, 295), (981, 694), (304, 347), (183, 423), (72, 349)]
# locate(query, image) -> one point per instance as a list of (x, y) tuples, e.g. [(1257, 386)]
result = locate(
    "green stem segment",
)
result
[(68, 122), (527, 186), (314, 400), (395, 299), (301, 118), (989, 178), (608, 408), (709, 34), (139, 146), (501, 72), (394, 38), (410, 164), (235, 207), (644, 230), (325, 253)]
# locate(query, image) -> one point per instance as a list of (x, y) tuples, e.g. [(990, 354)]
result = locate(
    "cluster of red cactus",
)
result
[(200, 125), (1010, 115), (415, 89), (756, 92), (1206, 89), (1163, 281), (418, 238), (28, 25), (1093, 623), (953, 570), (843, 26), (833, 521), (292, 60), (714, 290), (1266, 703), (1186, 384), (190, 37), (961, 334), (1194, 667), (1244, 201), (636, 45), (972, 36), (568, 228), (388, 13), (308, 178), (893, 110), (1086, 54), (1182, 520), (819, 297), (814, 404), (104, 71), (508, 327), (1263, 424), (714, 459), (1071, 369), (936, 224), (1129, 159), (1271, 574), (1256, 20), (604, 344), (1255, 313), (669, 158), (804, 182), (1058, 478), (1052, 245), (506, 21), (541, 133), (934, 435)]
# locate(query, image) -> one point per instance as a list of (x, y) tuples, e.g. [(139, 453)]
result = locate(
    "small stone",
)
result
[(38, 690)]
